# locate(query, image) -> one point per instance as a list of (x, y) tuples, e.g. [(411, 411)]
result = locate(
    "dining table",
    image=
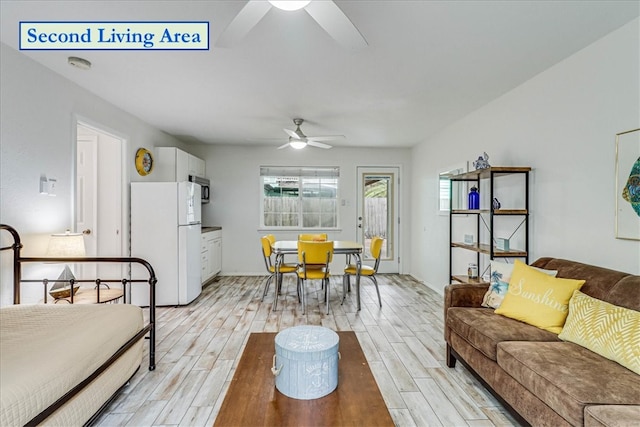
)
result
[(340, 247)]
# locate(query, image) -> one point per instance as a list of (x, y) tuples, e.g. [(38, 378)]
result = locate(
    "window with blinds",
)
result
[(299, 197)]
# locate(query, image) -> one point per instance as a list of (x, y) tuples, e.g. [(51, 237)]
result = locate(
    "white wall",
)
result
[(235, 190), (562, 123), (38, 111)]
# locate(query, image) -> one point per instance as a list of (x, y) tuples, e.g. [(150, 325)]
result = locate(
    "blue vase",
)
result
[(474, 198)]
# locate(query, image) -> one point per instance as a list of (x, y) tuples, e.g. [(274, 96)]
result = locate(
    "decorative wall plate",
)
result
[(144, 161)]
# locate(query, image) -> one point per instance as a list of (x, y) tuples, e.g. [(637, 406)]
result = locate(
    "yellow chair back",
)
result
[(376, 246), (315, 252), (314, 259), (266, 246), (318, 237)]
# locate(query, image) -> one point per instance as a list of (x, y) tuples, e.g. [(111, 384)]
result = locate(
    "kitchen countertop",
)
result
[(208, 229)]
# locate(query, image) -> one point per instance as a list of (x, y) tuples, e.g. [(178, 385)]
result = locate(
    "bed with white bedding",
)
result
[(61, 364)]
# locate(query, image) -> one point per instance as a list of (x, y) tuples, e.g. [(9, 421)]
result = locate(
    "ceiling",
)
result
[(427, 65)]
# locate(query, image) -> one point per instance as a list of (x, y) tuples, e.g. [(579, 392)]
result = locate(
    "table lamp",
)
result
[(65, 245)]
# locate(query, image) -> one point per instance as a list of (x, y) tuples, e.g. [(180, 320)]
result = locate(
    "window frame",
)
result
[(444, 188), (301, 173)]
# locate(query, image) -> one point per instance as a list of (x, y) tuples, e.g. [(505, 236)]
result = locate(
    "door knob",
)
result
[(87, 231)]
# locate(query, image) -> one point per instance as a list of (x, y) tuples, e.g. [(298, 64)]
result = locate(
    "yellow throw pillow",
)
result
[(537, 298), (609, 330), (499, 283)]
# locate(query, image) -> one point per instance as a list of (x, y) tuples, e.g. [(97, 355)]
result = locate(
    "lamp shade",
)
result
[(66, 245)]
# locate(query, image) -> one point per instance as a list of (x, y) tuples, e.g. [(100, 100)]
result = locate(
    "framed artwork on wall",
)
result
[(628, 185)]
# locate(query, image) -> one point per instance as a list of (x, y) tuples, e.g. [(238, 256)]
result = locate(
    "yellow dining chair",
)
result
[(365, 270), (278, 272), (272, 238), (318, 237), (313, 264)]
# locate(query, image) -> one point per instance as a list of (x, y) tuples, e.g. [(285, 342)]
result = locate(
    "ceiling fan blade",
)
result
[(318, 144), (283, 146), (326, 137), (292, 134), (329, 16), (244, 21)]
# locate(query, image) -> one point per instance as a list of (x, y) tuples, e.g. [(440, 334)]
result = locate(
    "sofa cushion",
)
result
[(483, 329), (625, 293), (612, 416), (613, 286), (566, 376), (611, 331), (500, 276), (537, 298)]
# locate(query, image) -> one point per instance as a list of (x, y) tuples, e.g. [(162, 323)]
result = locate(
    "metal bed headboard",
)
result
[(19, 260)]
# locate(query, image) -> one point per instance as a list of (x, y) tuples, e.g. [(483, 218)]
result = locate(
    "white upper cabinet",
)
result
[(196, 166), (173, 164)]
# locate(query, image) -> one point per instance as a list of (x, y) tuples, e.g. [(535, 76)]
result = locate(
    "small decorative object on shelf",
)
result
[(472, 271), (502, 244), (474, 198), (496, 204), (62, 287), (468, 239), (482, 162)]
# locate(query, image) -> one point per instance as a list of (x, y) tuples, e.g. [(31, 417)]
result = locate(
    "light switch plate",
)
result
[(53, 184), (44, 184)]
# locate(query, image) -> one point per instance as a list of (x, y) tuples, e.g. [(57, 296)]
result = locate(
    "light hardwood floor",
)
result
[(198, 348)]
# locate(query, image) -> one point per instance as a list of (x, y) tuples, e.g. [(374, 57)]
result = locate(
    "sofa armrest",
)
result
[(464, 295), (460, 295)]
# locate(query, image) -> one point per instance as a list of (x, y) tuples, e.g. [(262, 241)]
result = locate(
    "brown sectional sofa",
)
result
[(541, 379)]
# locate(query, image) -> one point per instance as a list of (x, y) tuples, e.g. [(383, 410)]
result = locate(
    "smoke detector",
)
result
[(80, 63)]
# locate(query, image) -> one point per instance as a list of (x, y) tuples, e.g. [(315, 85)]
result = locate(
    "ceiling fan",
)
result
[(326, 13), (299, 140)]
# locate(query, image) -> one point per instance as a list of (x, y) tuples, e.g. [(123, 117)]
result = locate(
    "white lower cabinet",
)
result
[(211, 254)]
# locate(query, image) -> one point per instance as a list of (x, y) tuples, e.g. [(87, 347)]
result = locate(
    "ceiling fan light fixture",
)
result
[(289, 5), (298, 145)]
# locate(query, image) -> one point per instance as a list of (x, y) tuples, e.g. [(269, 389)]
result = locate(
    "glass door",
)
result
[(378, 213)]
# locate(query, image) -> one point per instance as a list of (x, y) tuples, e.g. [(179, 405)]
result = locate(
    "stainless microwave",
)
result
[(204, 186)]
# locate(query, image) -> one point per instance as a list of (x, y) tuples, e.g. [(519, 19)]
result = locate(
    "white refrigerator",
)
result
[(166, 230)]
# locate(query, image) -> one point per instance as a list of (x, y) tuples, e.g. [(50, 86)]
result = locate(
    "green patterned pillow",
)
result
[(609, 330)]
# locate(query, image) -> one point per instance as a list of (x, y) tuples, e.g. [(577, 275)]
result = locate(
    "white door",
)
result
[(99, 203), (86, 189), (378, 213)]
